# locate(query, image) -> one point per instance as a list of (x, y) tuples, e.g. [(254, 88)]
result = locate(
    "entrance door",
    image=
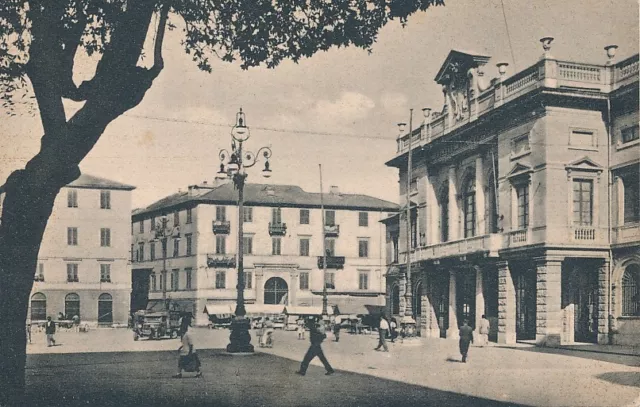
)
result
[(525, 285), (275, 289), (466, 297), (105, 309), (440, 300), (586, 306)]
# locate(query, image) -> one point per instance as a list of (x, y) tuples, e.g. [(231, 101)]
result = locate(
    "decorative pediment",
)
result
[(584, 164), (459, 62), (519, 171)]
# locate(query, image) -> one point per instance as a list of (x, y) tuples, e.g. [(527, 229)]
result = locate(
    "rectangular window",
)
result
[(133, 256), (105, 199), (304, 280), (72, 198), (363, 281), (72, 272), (247, 244), (304, 246), (522, 193), (176, 247), (141, 226), (188, 276), (141, 251), (330, 218), (221, 277), (152, 250), (631, 184), (176, 218), (363, 248), (72, 236), (189, 216), (153, 223), (189, 238), (304, 216), (330, 247), (276, 246), (174, 279), (221, 244), (630, 134), (221, 213), (40, 272), (105, 237), (162, 281), (247, 214), (582, 202), (520, 145), (276, 216), (105, 273), (153, 282), (330, 280), (363, 219), (582, 138), (248, 283)]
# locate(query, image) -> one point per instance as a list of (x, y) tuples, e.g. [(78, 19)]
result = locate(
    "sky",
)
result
[(338, 108)]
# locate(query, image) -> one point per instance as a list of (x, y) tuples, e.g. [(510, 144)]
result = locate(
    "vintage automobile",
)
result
[(158, 321)]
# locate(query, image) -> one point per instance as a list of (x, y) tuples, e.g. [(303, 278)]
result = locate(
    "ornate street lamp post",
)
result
[(236, 162), (163, 231)]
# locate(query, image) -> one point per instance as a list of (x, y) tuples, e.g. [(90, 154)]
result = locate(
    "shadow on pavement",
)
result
[(144, 378), (627, 360), (624, 378)]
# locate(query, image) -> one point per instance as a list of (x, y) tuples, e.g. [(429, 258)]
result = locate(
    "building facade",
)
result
[(524, 204), (282, 248), (83, 263)]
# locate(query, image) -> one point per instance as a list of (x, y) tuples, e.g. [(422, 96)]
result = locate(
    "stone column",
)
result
[(453, 331), (433, 330), (294, 287), (480, 202), (603, 302), (618, 192), (432, 212), (506, 305), (479, 298), (259, 286), (548, 300), (454, 215)]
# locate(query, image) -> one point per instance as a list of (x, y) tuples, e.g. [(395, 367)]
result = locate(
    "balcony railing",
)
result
[(584, 233), (277, 229), (628, 233), (333, 262), (518, 237), (486, 245), (332, 230), (221, 261), (221, 227), (547, 73)]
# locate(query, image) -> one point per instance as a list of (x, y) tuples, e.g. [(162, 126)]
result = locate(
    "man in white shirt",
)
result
[(382, 331)]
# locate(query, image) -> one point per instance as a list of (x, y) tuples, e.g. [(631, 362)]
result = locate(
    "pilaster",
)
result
[(453, 331), (548, 302), (479, 298), (259, 273), (506, 305), (454, 213), (603, 301), (294, 286), (480, 201)]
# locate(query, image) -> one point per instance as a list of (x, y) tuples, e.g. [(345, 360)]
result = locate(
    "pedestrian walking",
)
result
[(483, 330), (466, 338), (336, 328), (76, 323), (188, 360), (317, 334), (50, 330), (301, 328), (383, 328), (393, 330)]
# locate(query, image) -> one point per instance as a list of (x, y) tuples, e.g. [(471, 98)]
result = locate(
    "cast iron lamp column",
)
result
[(162, 233), (240, 339)]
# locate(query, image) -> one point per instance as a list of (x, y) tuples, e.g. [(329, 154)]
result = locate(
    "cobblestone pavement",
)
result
[(427, 373)]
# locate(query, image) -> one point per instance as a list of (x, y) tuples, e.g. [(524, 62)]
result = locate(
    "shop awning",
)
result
[(376, 309), (253, 309), (351, 309), (300, 310), (219, 309)]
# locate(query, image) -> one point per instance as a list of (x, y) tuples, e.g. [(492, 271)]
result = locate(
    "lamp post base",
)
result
[(240, 339)]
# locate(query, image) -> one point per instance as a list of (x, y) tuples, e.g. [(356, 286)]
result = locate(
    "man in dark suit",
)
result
[(50, 330), (466, 338), (316, 336)]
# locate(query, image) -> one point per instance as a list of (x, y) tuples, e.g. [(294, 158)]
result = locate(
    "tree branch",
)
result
[(158, 61)]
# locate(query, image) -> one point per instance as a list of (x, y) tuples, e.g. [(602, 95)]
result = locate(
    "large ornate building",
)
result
[(83, 263), (282, 248), (525, 203)]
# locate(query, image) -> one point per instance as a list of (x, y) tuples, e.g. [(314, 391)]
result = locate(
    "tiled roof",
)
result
[(272, 195), (91, 181)]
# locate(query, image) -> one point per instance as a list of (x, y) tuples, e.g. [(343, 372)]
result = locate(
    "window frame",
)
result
[(276, 246), (630, 289), (580, 181), (248, 280), (188, 278), (276, 216), (176, 247), (247, 214), (247, 244), (72, 236), (72, 273), (363, 283), (326, 217), (189, 219), (105, 237), (330, 280), (330, 246), (305, 217), (306, 246), (105, 272), (221, 280), (189, 243), (72, 198), (105, 199), (303, 282), (221, 213), (469, 211), (221, 244), (363, 221), (363, 243)]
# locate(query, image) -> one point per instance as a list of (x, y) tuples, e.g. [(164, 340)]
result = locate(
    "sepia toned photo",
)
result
[(319, 203)]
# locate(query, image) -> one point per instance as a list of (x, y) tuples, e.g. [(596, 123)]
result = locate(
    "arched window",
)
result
[(469, 202), (38, 307), (275, 289), (631, 291), (417, 299), (72, 305), (395, 300), (105, 309), (444, 214)]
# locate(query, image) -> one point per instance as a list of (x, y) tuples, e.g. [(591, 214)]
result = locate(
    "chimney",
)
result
[(217, 181), (334, 190)]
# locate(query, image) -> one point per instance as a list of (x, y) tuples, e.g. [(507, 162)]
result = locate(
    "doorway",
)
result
[(275, 289), (525, 286)]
